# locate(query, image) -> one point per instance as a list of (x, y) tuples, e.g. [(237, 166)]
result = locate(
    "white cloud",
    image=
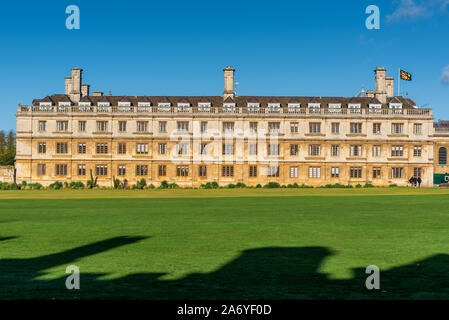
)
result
[(445, 75), (417, 9)]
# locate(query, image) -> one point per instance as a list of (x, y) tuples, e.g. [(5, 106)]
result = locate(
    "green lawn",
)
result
[(227, 244)]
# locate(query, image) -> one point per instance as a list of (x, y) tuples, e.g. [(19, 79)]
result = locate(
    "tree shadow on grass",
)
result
[(265, 273)]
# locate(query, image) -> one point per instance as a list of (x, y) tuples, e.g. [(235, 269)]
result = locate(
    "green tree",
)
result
[(7, 148), (11, 142), (2, 142)]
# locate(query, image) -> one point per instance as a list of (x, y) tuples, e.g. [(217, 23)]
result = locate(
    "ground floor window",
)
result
[(273, 171), (141, 170), (417, 172), (335, 172), (162, 170), (355, 172), (81, 169), (182, 171), (314, 172), (397, 173), (376, 173), (253, 171), (101, 170), (121, 170), (293, 172), (41, 169), (227, 171), (203, 171), (61, 169)]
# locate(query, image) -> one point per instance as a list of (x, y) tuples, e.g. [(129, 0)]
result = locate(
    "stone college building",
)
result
[(375, 138)]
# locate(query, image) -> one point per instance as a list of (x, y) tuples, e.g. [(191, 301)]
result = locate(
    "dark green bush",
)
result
[(163, 185), (272, 185), (76, 185), (210, 185), (393, 185), (141, 183), (56, 185)]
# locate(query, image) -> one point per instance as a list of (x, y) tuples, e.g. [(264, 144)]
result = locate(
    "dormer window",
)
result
[(375, 108), (64, 103), (204, 106), (183, 107), (228, 107), (396, 107), (124, 103), (294, 107), (334, 107), (104, 104), (143, 104), (253, 107), (84, 104), (314, 107), (274, 108), (45, 104), (354, 108), (164, 107)]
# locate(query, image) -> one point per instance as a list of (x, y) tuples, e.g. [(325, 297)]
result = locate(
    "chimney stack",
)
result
[(75, 94), (370, 93), (97, 94), (228, 83), (390, 86), (85, 90), (68, 85), (380, 87)]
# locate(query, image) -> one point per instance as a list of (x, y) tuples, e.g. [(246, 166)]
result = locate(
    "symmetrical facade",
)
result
[(373, 138)]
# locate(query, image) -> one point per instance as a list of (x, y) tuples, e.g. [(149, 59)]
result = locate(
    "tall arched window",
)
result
[(442, 156)]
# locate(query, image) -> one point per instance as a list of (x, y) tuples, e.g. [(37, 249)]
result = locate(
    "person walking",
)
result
[(419, 181), (411, 181)]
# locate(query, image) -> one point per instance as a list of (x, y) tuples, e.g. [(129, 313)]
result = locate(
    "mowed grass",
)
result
[(227, 244)]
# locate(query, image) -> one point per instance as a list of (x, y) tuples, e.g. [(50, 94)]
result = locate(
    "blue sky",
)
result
[(318, 48)]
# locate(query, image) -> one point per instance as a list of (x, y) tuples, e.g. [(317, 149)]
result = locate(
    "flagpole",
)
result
[(399, 82)]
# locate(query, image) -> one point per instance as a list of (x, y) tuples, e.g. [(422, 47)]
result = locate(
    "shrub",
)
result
[(163, 185), (358, 185), (271, 185), (141, 183), (240, 185), (210, 185), (56, 185), (230, 186), (151, 186), (393, 185), (368, 185), (35, 186), (336, 185), (117, 183), (173, 186), (76, 185), (92, 183), (13, 186), (259, 186)]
